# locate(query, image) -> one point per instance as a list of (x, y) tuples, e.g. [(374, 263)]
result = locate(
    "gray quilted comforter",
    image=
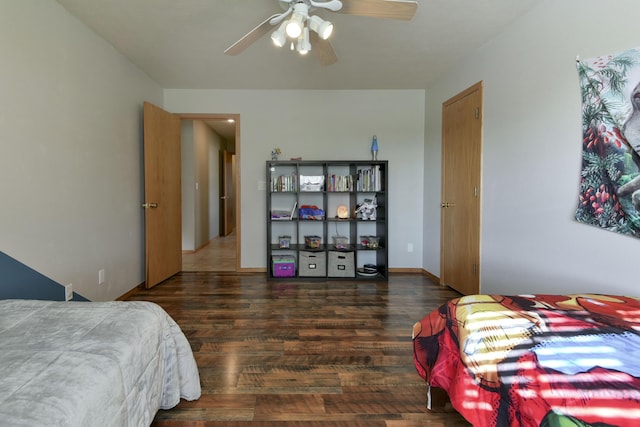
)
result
[(91, 363)]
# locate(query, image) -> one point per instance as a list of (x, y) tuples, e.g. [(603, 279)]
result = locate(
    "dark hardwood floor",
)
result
[(335, 353)]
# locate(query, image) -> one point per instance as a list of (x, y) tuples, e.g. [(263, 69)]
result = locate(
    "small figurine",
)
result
[(367, 209), (275, 153)]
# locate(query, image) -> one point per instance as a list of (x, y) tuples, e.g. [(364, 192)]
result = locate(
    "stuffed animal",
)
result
[(367, 209)]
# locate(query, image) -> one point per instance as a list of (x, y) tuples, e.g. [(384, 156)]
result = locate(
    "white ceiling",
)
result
[(180, 43)]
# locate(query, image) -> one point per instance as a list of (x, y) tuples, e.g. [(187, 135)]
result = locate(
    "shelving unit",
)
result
[(320, 188)]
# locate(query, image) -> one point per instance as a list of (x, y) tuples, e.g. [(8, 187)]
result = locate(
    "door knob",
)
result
[(149, 205)]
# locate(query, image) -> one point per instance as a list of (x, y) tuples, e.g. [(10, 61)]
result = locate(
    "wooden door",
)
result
[(162, 192), (227, 205), (461, 174)]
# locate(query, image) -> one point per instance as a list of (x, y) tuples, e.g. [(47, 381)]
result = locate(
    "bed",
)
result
[(91, 363), (534, 360)]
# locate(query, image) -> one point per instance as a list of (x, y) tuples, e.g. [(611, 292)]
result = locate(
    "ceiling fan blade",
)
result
[(392, 9), (251, 36), (276, 19), (323, 50), (333, 5)]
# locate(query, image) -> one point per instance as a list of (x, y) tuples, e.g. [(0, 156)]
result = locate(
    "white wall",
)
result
[(70, 138), (188, 184), (215, 150), (71, 166), (208, 143), (532, 153), (323, 125), (200, 151), (215, 145)]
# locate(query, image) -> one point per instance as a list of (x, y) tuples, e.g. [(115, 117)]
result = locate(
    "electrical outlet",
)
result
[(68, 292), (410, 247), (101, 277)]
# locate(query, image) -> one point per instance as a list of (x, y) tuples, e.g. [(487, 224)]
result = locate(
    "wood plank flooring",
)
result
[(301, 353)]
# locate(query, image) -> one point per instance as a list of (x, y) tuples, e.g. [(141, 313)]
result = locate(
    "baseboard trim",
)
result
[(435, 279), (405, 270), (131, 293), (252, 270), (193, 251)]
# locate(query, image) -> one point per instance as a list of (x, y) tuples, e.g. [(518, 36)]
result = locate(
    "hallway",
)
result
[(218, 255)]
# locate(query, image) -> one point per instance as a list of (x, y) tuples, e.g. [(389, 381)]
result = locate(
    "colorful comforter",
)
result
[(535, 360)]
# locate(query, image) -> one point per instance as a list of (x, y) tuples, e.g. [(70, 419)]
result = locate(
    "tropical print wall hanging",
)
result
[(610, 180)]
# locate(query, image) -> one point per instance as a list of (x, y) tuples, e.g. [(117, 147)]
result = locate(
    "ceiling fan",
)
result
[(303, 29)]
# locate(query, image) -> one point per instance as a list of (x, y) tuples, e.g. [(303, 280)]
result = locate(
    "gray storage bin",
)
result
[(312, 264), (341, 264)]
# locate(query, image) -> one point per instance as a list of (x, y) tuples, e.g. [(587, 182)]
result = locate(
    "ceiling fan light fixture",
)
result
[(296, 17), (294, 25), (321, 27), (279, 37), (304, 45)]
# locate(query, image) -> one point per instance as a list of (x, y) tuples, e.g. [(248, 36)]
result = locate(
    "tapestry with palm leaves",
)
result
[(610, 180)]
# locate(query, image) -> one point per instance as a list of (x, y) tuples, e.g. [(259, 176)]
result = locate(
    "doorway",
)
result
[(217, 239), (461, 174)]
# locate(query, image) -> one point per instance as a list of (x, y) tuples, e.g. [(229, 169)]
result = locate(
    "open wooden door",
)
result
[(461, 174), (162, 192), (227, 202)]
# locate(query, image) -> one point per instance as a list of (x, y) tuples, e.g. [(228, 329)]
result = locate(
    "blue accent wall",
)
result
[(17, 281)]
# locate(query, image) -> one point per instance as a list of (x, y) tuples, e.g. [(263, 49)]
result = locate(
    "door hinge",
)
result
[(477, 113), (475, 269), (475, 191)]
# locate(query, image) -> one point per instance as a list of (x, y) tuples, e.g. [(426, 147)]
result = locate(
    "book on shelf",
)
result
[(369, 179), (340, 183), (284, 183)]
